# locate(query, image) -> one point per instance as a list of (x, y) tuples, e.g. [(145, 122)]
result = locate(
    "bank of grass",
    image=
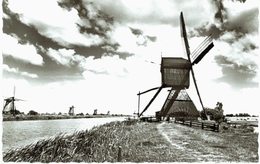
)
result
[(40, 117), (50, 117), (139, 142)]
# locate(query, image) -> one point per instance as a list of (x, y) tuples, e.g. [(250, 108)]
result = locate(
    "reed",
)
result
[(133, 141), (100, 144), (46, 117)]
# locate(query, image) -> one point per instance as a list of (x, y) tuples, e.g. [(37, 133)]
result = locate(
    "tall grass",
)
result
[(139, 142), (100, 144), (44, 117)]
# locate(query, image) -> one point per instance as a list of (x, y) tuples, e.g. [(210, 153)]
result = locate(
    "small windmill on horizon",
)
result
[(9, 105)]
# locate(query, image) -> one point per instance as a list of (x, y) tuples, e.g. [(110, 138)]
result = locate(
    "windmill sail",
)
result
[(8, 106), (203, 53), (184, 35), (202, 50)]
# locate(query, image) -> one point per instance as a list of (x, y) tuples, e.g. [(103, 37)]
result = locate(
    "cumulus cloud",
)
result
[(17, 71), (142, 39), (25, 52), (58, 24), (108, 65), (229, 20), (250, 19), (64, 56), (238, 76), (238, 60), (154, 11), (236, 43)]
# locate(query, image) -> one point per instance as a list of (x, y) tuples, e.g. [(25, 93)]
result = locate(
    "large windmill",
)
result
[(9, 105), (176, 72)]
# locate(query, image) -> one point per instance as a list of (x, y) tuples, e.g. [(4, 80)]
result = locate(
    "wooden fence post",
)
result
[(202, 126), (217, 127), (119, 155), (190, 123)]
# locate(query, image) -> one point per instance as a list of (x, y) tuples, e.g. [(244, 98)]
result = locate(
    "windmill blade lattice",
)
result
[(184, 35)]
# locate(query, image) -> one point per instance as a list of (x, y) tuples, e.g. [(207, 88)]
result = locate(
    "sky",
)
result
[(98, 54)]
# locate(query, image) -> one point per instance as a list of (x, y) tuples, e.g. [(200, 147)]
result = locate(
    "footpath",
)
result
[(195, 144)]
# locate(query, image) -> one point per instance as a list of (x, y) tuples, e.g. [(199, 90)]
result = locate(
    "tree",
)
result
[(17, 112), (80, 114), (215, 114), (32, 112)]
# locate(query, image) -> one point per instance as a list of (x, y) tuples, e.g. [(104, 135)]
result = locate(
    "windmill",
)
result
[(71, 111), (176, 74), (9, 105)]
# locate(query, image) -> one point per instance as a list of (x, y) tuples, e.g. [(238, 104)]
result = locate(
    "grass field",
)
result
[(132, 141)]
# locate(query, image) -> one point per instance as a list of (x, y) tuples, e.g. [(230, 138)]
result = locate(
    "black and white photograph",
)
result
[(116, 81)]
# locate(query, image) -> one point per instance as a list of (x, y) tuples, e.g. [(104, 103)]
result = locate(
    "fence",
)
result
[(204, 125)]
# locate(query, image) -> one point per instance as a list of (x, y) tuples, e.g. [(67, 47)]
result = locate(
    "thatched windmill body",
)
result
[(71, 111), (175, 73), (9, 105)]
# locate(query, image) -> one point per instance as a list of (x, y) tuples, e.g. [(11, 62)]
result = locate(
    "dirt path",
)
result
[(200, 145)]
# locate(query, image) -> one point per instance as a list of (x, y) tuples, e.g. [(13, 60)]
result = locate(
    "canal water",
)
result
[(20, 133)]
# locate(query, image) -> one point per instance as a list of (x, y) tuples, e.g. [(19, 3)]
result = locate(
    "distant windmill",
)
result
[(9, 105), (71, 111), (95, 112), (175, 74)]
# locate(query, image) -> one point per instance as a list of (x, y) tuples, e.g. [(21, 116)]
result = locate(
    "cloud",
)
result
[(27, 34), (237, 75), (18, 72), (104, 50), (108, 65), (25, 52), (229, 20), (249, 16), (236, 44), (150, 45), (142, 39), (59, 24), (136, 32), (90, 23), (64, 56), (154, 11), (221, 13), (238, 59)]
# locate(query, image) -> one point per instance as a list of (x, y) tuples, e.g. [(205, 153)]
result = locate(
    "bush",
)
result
[(32, 112)]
